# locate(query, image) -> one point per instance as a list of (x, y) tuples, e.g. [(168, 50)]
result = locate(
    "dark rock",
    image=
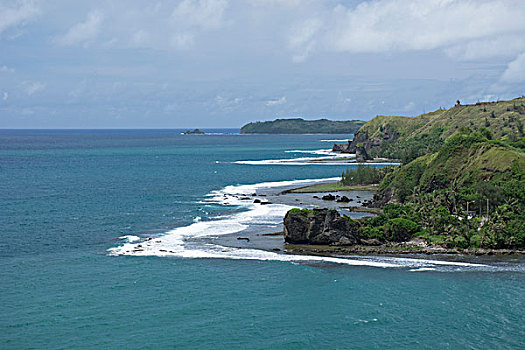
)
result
[(257, 201), (243, 239), (319, 226), (263, 203), (371, 241), (193, 132), (382, 198), (343, 148), (343, 199), (361, 155), (329, 197), (316, 197)]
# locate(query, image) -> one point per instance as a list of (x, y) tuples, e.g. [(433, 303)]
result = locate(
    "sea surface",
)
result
[(76, 204)]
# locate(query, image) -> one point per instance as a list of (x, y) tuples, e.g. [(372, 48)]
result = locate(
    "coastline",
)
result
[(274, 241)]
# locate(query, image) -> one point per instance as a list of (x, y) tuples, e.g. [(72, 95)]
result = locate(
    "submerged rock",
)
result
[(329, 197), (319, 226), (343, 199)]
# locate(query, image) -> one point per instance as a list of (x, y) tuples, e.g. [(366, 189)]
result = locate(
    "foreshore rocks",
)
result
[(319, 226), (341, 147)]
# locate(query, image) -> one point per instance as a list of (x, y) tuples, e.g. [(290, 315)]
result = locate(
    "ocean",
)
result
[(75, 205)]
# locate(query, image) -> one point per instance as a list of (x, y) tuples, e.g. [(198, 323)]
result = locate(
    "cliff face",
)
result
[(407, 138), (319, 226)]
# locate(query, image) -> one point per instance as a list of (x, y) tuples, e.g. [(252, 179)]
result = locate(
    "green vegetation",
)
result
[(462, 181), (433, 191), (364, 175), (331, 187), (301, 126), (407, 138)]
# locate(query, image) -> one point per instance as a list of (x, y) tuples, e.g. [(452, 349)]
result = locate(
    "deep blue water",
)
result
[(66, 197)]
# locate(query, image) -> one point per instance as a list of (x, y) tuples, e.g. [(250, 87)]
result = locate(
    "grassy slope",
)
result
[(504, 119), (462, 161), (331, 187)]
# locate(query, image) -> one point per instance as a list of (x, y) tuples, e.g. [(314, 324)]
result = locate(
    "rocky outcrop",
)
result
[(382, 198), (341, 147), (328, 197), (361, 155), (193, 132), (319, 226)]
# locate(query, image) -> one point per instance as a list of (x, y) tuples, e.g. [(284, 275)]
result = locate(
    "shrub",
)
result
[(364, 175), (400, 230), (393, 211)]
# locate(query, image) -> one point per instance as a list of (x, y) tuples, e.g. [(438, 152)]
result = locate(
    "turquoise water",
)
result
[(67, 196)]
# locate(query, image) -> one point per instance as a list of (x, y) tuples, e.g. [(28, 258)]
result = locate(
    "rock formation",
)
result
[(319, 226)]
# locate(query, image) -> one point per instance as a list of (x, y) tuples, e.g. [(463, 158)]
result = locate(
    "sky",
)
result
[(223, 63)]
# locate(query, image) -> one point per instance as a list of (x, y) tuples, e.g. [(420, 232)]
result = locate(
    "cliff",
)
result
[(407, 138), (462, 184), (319, 226), (301, 126)]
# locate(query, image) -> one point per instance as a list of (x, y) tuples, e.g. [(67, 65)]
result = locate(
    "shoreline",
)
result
[(274, 241), (397, 249), (331, 187)]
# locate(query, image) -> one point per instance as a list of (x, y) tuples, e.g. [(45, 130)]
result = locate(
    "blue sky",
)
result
[(222, 63)]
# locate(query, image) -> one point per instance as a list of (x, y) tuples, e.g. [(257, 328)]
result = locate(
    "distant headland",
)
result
[(301, 126)]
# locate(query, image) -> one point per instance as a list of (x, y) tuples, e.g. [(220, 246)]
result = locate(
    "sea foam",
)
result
[(193, 241)]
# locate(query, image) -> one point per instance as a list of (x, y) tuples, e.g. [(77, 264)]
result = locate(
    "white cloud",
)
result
[(6, 69), (205, 14), (506, 46), (301, 38), (33, 87), (182, 40), (402, 25), (83, 32), (227, 104), (19, 14), (160, 25), (279, 101), (515, 72), (5, 96), (285, 3), (140, 38)]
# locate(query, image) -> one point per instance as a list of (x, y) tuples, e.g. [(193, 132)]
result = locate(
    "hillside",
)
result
[(469, 171), (301, 126), (406, 138)]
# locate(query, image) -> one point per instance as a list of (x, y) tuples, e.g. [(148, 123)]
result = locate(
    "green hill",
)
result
[(469, 170), (301, 126), (407, 138)]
